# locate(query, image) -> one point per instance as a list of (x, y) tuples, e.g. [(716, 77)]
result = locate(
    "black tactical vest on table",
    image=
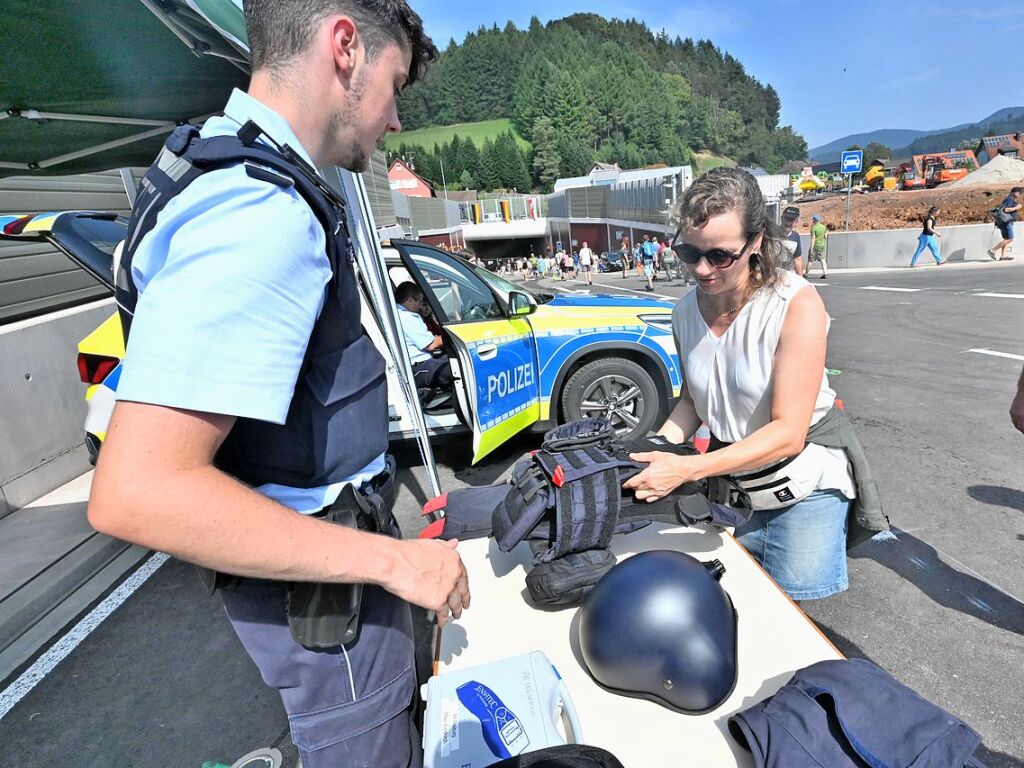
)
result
[(338, 418)]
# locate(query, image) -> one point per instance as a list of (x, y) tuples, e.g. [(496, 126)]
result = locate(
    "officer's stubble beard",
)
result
[(352, 157)]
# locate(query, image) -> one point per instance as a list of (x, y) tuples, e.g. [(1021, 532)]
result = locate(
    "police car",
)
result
[(519, 358)]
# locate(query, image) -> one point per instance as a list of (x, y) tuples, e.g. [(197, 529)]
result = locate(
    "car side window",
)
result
[(463, 296)]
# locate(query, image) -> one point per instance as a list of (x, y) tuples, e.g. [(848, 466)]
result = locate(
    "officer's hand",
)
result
[(431, 575), (665, 473)]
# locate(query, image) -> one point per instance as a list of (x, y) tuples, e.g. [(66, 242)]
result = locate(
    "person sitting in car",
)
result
[(433, 373)]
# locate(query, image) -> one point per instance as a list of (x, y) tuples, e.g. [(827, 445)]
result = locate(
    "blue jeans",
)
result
[(802, 546), (929, 242)]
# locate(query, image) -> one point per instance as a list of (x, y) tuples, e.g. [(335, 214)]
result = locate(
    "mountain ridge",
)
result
[(900, 138)]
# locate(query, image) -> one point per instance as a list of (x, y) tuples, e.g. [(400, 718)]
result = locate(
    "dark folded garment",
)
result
[(852, 714)]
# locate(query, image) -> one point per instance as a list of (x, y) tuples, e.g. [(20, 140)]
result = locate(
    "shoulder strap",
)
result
[(186, 156)]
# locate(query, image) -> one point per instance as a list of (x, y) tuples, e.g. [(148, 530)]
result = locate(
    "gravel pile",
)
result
[(999, 170)]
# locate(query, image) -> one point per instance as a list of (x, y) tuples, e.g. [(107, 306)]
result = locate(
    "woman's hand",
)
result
[(665, 473)]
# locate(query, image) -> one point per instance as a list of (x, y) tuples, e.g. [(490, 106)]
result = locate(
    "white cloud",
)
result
[(905, 82), (700, 21)]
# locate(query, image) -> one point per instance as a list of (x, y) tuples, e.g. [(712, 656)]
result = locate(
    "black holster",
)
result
[(327, 615)]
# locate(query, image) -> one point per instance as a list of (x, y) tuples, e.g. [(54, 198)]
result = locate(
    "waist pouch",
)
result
[(779, 485), (324, 615)]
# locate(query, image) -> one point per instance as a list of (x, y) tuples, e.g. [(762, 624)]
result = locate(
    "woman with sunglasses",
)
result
[(751, 339)]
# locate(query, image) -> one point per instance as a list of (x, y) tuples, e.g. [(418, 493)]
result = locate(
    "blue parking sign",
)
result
[(852, 161)]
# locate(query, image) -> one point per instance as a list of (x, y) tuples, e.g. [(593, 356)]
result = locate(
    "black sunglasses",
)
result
[(719, 258)]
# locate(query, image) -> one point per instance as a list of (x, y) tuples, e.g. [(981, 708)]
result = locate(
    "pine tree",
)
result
[(546, 160), (452, 152), (488, 177), (469, 158)]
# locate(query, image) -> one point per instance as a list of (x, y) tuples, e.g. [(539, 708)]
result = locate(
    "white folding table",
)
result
[(775, 639)]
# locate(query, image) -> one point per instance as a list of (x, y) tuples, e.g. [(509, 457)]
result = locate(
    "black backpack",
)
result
[(565, 756)]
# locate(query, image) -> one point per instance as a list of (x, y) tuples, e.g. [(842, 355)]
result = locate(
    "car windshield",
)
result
[(504, 287)]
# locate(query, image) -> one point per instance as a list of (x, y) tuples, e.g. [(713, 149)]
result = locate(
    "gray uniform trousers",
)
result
[(351, 706)]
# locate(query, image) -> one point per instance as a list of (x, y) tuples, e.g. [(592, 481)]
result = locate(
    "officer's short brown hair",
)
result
[(280, 30)]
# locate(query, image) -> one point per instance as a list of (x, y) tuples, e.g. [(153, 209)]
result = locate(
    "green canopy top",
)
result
[(88, 86)]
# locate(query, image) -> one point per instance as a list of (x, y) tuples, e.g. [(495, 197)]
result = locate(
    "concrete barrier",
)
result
[(42, 405), (895, 247)]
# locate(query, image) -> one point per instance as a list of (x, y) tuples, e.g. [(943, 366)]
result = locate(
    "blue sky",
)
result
[(839, 68)]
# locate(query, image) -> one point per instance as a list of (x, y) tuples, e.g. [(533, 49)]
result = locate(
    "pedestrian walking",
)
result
[(669, 262), (793, 255), (272, 439), (587, 263), (819, 245), (627, 258), (928, 238), (650, 252), (1004, 216)]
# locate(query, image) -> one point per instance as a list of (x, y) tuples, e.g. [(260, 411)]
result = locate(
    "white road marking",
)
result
[(888, 288), (1002, 295), (993, 353), (45, 664), (631, 290)]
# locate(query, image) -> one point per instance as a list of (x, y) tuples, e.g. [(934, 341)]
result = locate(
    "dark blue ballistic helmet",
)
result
[(660, 626)]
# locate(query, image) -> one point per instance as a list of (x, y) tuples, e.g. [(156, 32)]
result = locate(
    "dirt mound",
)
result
[(900, 210), (999, 170)]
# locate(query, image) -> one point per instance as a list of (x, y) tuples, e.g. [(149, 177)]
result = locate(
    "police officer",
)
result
[(230, 438)]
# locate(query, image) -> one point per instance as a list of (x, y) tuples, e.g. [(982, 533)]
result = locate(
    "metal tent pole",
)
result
[(374, 277)]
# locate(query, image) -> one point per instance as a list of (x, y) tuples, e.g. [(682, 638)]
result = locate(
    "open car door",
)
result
[(88, 238), (498, 383)]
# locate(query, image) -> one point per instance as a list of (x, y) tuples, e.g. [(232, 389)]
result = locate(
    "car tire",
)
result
[(606, 381)]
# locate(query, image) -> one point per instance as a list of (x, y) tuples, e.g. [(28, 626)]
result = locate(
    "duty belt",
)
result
[(324, 615)]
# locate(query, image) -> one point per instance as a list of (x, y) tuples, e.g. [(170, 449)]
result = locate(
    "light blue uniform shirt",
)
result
[(417, 335), (231, 281)]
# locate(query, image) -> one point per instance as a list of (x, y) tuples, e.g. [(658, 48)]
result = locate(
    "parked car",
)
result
[(612, 261), (518, 358)]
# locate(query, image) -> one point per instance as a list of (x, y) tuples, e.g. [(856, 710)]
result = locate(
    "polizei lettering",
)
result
[(509, 381)]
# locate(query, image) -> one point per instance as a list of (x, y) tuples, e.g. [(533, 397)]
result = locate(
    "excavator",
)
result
[(942, 167), (907, 177)]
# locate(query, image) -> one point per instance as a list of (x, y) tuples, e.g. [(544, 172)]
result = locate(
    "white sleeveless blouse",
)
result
[(729, 377)]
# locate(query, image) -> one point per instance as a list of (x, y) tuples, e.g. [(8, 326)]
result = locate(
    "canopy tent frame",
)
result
[(192, 26), (159, 127), (208, 28)]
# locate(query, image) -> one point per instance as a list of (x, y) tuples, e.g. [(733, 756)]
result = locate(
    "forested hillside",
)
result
[(584, 88), (966, 137)]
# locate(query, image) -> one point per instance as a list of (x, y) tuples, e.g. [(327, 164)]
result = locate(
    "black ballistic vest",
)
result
[(338, 418)]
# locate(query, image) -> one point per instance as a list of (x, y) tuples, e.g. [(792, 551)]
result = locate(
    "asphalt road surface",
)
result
[(926, 362)]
